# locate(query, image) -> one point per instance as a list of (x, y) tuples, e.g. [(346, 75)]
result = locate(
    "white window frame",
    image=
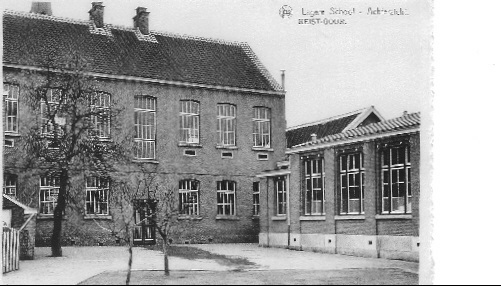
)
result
[(393, 170), (348, 176), (317, 207), (145, 134), (189, 121), (11, 100), (100, 104), (53, 100), (189, 198), (280, 196), (10, 184), (226, 124), (97, 192), (260, 122), (226, 198), (49, 190), (255, 199)]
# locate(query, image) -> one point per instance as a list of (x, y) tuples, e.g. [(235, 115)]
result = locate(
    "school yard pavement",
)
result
[(208, 264)]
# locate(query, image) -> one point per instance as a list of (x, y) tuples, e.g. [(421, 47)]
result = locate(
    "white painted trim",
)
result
[(362, 116), (395, 216), (159, 81), (312, 217), (274, 173), (27, 209), (338, 142), (280, 217), (349, 217)]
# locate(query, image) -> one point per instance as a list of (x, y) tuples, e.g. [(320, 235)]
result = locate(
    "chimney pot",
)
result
[(141, 20), (313, 137), (283, 79), (405, 112), (43, 8), (96, 14)]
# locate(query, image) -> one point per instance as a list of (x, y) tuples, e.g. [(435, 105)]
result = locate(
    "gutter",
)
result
[(299, 149), (151, 80)]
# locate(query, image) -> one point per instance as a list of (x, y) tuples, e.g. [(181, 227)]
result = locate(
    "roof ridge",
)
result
[(120, 27), (406, 120), (328, 119)]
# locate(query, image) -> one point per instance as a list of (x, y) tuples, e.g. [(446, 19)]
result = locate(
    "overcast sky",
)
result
[(378, 60)]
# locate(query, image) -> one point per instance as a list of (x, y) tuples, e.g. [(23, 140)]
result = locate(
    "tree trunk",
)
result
[(129, 265), (57, 251), (166, 257)]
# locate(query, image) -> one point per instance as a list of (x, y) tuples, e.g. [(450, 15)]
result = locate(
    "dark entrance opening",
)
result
[(144, 218)]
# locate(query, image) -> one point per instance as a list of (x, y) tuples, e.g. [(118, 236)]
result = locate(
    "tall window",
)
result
[(261, 127), (314, 195), (255, 198), (352, 182), (102, 119), (49, 189), (226, 203), (97, 191), (188, 197), (9, 184), (189, 118), (281, 193), (11, 97), (49, 108), (396, 180), (145, 125), (226, 124)]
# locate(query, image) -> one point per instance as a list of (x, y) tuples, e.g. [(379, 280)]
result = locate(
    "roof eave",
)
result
[(344, 141), (159, 81)]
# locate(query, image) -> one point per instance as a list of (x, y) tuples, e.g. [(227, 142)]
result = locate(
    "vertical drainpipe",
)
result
[(267, 214), (288, 212)]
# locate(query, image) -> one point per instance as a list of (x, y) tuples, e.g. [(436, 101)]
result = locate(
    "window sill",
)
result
[(279, 218), (227, 147), (349, 217), (227, 217), (98, 217), (256, 217), (190, 145), (262, 149), (394, 216), (12, 134), (313, 217), (104, 139), (189, 218), (145, 161), (47, 217)]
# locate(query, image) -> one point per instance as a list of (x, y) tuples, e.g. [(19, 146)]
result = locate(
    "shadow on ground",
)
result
[(193, 253), (279, 277)]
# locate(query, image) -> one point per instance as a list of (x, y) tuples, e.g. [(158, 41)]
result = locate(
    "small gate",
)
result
[(10, 249)]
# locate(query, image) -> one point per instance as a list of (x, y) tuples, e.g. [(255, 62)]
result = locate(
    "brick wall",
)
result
[(172, 165), (370, 222)]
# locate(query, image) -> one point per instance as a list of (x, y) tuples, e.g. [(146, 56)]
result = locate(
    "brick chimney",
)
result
[(96, 14), (141, 20), (43, 8)]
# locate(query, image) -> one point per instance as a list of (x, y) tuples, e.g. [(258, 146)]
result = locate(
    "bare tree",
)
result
[(71, 117), (143, 200)]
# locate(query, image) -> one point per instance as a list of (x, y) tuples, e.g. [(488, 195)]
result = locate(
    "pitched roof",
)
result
[(300, 134), (406, 122), (28, 38), (27, 209)]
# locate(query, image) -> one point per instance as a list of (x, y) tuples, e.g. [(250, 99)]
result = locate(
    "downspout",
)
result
[(288, 213), (267, 214)]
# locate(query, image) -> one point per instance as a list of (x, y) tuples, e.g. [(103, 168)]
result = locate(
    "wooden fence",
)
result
[(10, 249)]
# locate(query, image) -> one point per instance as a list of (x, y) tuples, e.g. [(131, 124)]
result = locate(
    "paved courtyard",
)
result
[(107, 265)]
